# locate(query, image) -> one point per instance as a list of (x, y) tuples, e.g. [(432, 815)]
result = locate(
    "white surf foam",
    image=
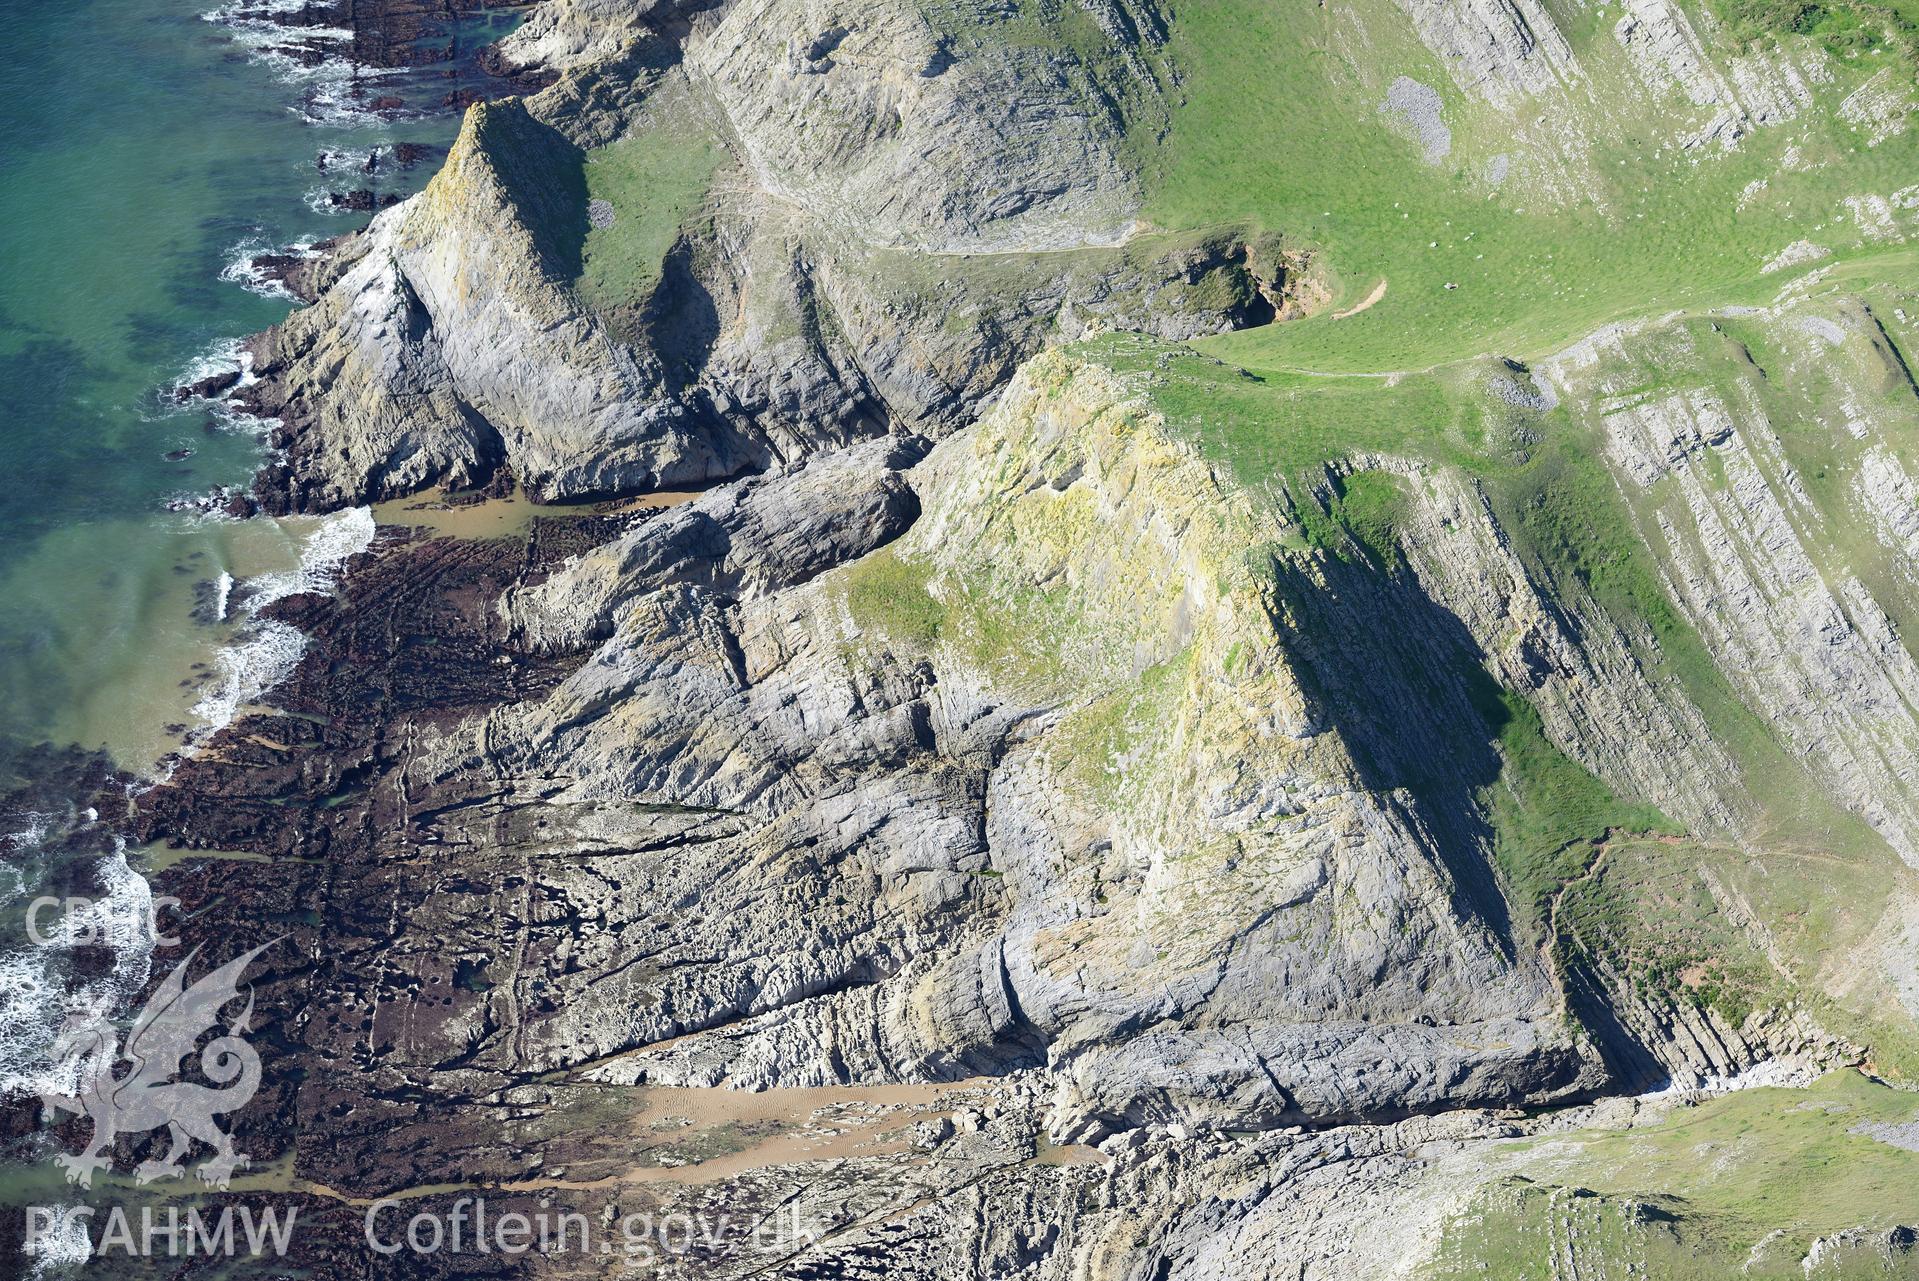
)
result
[(338, 538), (61, 1246), (331, 86), (36, 998), (266, 651), (239, 269), (225, 356), (266, 654), (119, 915), (350, 162), (39, 994), (31, 1005), (29, 998), (345, 172), (320, 200)]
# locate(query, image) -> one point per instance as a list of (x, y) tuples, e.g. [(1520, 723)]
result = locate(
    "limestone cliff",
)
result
[(1277, 787), (1154, 815), (1078, 615), (1194, 814), (812, 287)]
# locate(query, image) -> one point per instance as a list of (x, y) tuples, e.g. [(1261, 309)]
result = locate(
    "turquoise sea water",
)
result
[(143, 150), (147, 150)]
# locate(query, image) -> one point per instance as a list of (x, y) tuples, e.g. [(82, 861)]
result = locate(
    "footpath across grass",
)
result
[(1279, 127)]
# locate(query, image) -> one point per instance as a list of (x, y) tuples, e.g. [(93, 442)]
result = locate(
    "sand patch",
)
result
[(1379, 291), (510, 517)]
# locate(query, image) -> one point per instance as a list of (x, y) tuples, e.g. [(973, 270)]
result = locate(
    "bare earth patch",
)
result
[(1379, 291)]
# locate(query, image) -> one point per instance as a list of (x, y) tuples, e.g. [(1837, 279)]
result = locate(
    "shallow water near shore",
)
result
[(148, 149), (145, 151)]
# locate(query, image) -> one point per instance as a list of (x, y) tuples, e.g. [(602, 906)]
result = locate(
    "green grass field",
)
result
[(1738, 1186), (1280, 129), (651, 182)]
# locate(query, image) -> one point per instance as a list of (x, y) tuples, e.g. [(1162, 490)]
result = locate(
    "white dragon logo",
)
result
[(145, 1096)]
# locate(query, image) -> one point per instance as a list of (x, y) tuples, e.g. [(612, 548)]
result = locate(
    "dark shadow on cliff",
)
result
[(680, 319), (544, 175), (1402, 680), (1399, 678), (1630, 1061)]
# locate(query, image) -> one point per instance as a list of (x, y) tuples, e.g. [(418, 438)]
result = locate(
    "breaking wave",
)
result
[(313, 59), (266, 651), (227, 356), (240, 269), (62, 1245), (40, 992), (37, 988)]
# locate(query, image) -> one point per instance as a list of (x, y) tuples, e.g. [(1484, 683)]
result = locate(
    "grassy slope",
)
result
[(653, 179), (1280, 128), (1699, 1196), (1664, 914), (1570, 522)]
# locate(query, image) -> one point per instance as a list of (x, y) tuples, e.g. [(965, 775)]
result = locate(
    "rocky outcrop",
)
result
[(447, 348), (774, 713), (829, 284), (1013, 917), (1587, 673), (1750, 91), (563, 36), (763, 534), (903, 203), (1744, 548), (1502, 50), (928, 135), (1045, 769), (1552, 111)]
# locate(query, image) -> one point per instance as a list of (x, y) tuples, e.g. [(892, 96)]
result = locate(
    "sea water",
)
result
[(148, 150)]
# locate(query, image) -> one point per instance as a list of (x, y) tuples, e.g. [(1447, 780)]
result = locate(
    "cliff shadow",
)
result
[(543, 175), (1399, 678), (680, 319)]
